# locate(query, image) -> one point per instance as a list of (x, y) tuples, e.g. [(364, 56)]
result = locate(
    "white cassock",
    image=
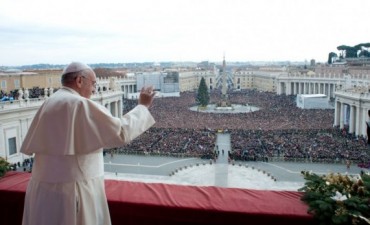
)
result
[(67, 136)]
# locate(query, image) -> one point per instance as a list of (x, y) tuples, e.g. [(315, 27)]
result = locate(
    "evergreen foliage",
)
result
[(4, 166), (330, 58), (338, 199), (360, 50), (203, 94)]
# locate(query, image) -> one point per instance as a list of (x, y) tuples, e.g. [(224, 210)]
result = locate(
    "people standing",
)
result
[(348, 164), (67, 137)]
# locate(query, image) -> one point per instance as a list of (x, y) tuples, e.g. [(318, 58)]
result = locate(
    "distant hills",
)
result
[(44, 66)]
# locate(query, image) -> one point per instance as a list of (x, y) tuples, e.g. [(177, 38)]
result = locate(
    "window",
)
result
[(16, 84), (12, 146), (3, 84)]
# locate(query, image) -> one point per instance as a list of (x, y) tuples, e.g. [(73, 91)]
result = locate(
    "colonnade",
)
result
[(351, 106), (115, 108), (351, 111), (306, 86), (112, 98), (128, 88), (312, 88)]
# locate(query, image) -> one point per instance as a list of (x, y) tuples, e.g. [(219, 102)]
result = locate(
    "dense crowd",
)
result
[(34, 92), (278, 129), (276, 112), (173, 142), (314, 145)]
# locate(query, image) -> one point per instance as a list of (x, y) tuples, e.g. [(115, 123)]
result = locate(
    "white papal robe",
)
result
[(66, 137)]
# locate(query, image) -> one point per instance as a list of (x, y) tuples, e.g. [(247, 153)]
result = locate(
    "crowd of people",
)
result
[(177, 142), (276, 112), (278, 129), (34, 92), (313, 145)]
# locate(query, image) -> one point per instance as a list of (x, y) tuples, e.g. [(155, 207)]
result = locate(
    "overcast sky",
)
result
[(117, 31)]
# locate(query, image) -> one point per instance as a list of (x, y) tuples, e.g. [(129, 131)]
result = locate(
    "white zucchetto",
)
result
[(75, 67)]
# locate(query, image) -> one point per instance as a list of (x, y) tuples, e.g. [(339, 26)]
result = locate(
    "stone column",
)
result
[(120, 108), (109, 107), (341, 117), (277, 88), (116, 109), (332, 90), (336, 113), (289, 88), (363, 121), (296, 88), (306, 90), (351, 124), (357, 121), (281, 87)]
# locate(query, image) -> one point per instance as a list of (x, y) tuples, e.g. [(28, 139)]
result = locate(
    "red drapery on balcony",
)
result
[(147, 203)]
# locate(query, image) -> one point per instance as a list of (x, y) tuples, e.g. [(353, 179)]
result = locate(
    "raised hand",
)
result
[(146, 96)]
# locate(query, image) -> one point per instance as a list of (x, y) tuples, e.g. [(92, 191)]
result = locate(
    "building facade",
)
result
[(27, 80)]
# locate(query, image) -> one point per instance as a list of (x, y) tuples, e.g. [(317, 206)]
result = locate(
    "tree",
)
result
[(364, 53), (360, 50), (363, 48), (351, 52), (342, 48), (203, 95), (331, 56), (347, 51)]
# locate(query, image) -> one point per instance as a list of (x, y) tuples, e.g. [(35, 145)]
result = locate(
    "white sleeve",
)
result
[(135, 122)]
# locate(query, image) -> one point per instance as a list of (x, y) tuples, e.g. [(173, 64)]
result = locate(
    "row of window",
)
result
[(4, 84)]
